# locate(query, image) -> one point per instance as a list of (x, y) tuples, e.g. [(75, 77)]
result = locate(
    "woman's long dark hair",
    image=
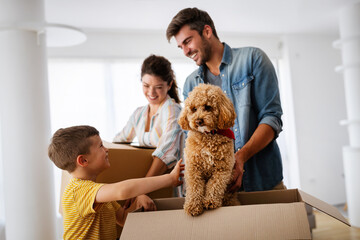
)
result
[(161, 67)]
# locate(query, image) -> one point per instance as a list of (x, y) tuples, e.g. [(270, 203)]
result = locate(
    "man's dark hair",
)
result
[(195, 18)]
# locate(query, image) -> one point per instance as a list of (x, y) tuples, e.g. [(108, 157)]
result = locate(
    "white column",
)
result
[(350, 49), (25, 124)]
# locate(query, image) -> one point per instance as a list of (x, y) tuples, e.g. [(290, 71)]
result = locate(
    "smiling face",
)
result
[(98, 156), (194, 46), (155, 89)]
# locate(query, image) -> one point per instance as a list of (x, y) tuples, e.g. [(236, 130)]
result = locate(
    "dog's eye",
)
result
[(207, 108), (193, 109)]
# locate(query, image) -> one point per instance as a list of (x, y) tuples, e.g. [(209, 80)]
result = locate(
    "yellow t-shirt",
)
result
[(82, 218)]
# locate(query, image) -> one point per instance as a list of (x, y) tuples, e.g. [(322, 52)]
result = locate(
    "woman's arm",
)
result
[(169, 145), (158, 167)]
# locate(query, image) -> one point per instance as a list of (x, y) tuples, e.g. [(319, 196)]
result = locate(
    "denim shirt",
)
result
[(249, 80)]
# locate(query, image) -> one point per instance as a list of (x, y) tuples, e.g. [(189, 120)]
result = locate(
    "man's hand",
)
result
[(237, 173), (262, 136)]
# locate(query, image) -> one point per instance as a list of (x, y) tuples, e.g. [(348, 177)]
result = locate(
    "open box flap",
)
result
[(323, 206), (169, 203)]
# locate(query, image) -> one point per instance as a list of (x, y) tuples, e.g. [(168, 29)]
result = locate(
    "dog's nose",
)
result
[(199, 122)]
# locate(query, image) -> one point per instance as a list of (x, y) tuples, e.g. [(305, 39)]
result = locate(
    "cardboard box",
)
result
[(276, 214), (128, 162), (125, 162)]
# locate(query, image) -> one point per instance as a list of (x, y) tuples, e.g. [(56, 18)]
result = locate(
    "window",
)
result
[(100, 93)]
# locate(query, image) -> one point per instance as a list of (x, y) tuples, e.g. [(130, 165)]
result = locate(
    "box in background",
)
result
[(128, 162)]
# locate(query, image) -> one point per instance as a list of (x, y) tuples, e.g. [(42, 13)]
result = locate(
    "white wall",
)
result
[(140, 44), (314, 100), (318, 106)]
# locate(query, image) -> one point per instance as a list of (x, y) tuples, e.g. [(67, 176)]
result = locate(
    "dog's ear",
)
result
[(227, 112), (183, 121)]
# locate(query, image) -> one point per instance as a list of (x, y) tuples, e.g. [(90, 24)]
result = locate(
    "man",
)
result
[(248, 78)]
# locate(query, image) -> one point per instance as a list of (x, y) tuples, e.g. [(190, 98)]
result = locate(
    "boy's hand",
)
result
[(145, 202), (176, 173), (129, 202)]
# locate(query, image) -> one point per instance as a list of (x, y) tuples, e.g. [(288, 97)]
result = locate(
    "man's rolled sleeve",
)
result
[(273, 122)]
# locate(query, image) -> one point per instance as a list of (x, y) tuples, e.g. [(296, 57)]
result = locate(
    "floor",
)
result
[(328, 228)]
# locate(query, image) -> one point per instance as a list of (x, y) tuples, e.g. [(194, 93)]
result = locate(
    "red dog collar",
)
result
[(225, 132)]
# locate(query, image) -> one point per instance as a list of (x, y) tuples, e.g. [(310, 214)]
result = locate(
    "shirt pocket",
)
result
[(242, 90)]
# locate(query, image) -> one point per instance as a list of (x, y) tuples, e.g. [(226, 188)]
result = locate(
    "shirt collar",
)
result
[(226, 59), (227, 55)]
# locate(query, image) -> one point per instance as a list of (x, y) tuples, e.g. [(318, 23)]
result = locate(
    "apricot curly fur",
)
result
[(209, 158)]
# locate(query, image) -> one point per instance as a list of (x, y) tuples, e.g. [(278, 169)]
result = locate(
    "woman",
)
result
[(156, 123)]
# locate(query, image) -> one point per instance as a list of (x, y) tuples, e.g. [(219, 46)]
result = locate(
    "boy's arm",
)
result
[(134, 187), (121, 215)]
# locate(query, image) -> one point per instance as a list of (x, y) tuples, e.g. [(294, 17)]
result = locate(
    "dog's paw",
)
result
[(212, 204), (230, 199), (193, 209)]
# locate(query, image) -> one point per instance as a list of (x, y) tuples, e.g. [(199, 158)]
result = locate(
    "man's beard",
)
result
[(205, 50)]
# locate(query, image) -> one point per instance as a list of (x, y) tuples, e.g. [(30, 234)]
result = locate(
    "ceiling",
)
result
[(234, 16)]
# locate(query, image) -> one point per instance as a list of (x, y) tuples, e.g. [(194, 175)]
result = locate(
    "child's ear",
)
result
[(81, 161)]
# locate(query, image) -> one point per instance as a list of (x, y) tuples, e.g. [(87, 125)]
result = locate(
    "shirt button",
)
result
[(225, 91), (235, 129), (223, 75), (243, 84)]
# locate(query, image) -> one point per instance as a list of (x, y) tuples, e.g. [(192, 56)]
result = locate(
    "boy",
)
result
[(90, 209)]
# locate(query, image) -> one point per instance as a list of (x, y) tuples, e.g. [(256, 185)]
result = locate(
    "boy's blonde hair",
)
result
[(68, 143)]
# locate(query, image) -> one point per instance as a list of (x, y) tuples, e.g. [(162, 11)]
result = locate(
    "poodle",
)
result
[(209, 149)]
